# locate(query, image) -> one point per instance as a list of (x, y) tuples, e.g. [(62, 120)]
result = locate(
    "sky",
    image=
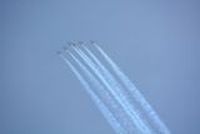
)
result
[(156, 43)]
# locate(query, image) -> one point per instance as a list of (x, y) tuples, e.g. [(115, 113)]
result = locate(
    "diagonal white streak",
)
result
[(121, 91), (99, 103), (112, 87), (114, 105), (121, 103), (151, 114)]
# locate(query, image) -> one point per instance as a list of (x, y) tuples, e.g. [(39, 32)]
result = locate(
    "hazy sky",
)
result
[(156, 43)]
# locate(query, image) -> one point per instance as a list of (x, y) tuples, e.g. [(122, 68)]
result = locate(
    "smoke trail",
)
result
[(115, 95), (110, 83), (112, 103), (116, 109), (153, 118), (111, 79), (99, 103)]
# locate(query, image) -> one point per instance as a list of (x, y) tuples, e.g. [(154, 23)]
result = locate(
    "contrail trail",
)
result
[(114, 105), (153, 118), (110, 84), (99, 103), (114, 81), (115, 95)]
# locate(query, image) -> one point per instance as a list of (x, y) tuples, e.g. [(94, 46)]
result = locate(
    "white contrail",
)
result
[(115, 95), (150, 114), (111, 102), (114, 88), (111, 79), (99, 103)]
